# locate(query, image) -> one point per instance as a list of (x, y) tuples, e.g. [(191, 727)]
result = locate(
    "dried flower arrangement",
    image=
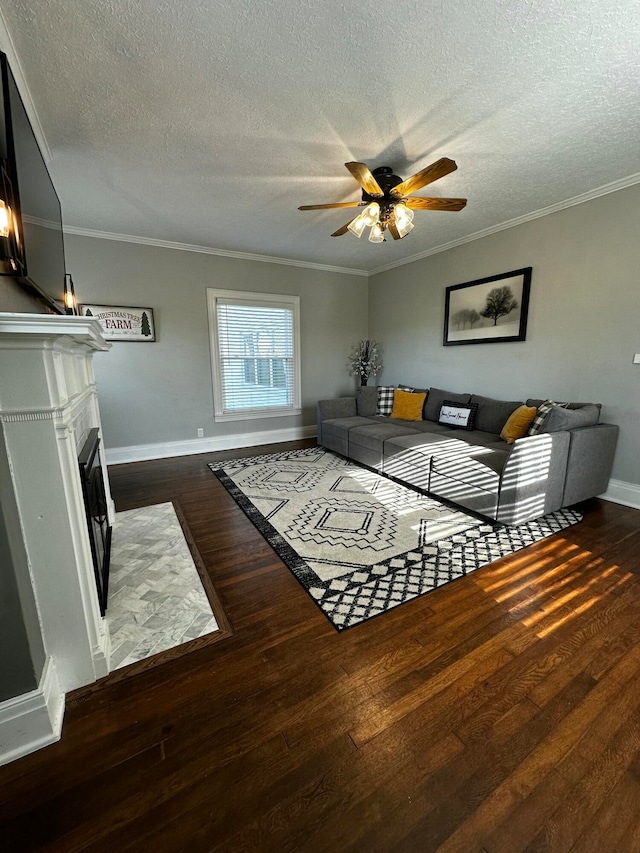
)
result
[(365, 360)]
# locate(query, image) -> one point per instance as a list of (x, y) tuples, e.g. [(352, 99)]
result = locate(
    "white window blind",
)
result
[(255, 354)]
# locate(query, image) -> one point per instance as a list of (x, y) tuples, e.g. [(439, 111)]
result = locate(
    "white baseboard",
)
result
[(33, 720), (619, 492), (141, 452)]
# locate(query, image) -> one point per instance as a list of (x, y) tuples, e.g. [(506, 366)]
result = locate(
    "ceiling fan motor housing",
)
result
[(386, 181)]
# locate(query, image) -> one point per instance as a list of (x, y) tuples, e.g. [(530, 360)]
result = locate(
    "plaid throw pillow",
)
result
[(385, 399), (537, 424)]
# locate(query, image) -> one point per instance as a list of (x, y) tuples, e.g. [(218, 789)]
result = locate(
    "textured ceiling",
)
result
[(208, 122)]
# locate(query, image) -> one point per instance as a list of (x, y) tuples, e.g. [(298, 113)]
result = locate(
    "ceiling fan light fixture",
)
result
[(404, 229), (377, 234), (371, 214), (357, 225), (403, 215)]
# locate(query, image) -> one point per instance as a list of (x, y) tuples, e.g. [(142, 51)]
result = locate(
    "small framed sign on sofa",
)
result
[(122, 323), (488, 310)]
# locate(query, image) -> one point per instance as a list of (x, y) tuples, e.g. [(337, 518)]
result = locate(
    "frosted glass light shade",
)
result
[(377, 233), (403, 215), (371, 213), (357, 225), (404, 230)]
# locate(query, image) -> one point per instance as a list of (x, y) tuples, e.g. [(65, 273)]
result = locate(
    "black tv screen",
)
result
[(39, 245)]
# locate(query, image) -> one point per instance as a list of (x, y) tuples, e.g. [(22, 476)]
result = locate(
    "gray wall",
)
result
[(584, 316), (158, 392), (14, 298)]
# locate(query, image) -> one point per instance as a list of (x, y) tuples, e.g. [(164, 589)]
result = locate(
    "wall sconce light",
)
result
[(7, 231), (70, 304)]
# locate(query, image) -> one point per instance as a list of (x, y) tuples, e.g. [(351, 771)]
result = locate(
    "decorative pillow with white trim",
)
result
[(458, 415), (385, 399), (544, 410)]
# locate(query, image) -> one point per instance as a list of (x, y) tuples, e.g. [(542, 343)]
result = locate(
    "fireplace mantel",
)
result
[(48, 405)]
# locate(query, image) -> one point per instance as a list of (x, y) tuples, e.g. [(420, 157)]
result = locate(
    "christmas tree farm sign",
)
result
[(122, 323)]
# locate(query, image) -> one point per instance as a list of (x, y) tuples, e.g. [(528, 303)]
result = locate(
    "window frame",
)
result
[(252, 299)]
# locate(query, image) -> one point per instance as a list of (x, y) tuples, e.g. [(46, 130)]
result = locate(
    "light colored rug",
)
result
[(156, 599), (360, 543)]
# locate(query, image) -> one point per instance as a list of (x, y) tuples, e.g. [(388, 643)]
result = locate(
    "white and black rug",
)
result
[(359, 543)]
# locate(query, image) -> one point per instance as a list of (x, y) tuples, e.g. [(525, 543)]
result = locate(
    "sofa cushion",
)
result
[(407, 405), (560, 418), (493, 414), (367, 400), (435, 399), (385, 399), (458, 415), (373, 435), (431, 427), (518, 423)]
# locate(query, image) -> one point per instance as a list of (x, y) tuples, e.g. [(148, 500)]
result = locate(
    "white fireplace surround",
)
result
[(48, 403)]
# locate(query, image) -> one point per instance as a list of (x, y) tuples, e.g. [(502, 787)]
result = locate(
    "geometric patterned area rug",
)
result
[(359, 543), (156, 598)]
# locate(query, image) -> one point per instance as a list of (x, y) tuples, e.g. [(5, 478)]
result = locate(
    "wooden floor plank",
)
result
[(497, 714)]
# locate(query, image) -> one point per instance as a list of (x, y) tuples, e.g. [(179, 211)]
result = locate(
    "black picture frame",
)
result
[(468, 317)]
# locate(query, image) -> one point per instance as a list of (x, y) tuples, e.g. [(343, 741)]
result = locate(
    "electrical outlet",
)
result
[(200, 432), (636, 358)]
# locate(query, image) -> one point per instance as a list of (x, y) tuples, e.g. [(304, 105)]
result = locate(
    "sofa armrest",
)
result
[(533, 478), (590, 461), (340, 407)]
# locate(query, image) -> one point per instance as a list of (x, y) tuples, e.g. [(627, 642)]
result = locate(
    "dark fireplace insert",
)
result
[(95, 504)]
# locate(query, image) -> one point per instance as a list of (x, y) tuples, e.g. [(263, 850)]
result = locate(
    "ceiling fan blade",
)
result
[(417, 203), (327, 206), (342, 230), (363, 176), (426, 176), (393, 230)]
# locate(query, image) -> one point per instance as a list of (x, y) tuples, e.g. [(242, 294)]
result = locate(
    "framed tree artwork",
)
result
[(489, 310), (122, 323)]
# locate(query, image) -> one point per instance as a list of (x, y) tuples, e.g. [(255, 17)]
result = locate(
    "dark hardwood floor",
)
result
[(499, 713)]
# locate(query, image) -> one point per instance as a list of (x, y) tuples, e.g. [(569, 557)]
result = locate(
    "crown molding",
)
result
[(613, 187), (6, 43), (208, 250)]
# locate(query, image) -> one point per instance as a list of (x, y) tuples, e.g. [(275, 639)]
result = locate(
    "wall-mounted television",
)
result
[(36, 245)]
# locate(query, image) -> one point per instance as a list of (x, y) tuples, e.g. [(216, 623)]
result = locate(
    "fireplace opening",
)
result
[(95, 504)]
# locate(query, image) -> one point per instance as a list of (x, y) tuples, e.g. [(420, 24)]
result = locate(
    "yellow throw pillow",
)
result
[(407, 405), (518, 423)]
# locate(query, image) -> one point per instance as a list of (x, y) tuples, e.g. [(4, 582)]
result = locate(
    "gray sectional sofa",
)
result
[(569, 461)]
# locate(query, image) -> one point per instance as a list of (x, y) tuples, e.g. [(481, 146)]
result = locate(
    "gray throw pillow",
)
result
[(560, 418), (544, 409)]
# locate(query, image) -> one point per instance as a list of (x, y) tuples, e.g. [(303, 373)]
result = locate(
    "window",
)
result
[(255, 354)]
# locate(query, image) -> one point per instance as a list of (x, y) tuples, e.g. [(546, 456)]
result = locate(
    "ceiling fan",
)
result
[(388, 202)]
